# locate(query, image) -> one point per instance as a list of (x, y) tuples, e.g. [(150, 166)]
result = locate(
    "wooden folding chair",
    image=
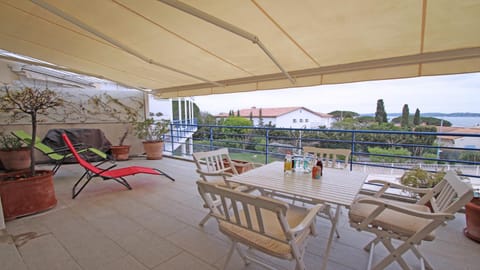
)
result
[(330, 157), (410, 223), (217, 166), (262, 223)]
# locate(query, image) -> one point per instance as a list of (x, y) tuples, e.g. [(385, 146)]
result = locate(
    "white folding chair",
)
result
[(262, 223), (410, 223), (330, 157), (216, 166)]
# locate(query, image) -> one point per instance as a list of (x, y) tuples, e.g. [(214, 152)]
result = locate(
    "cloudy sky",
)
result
[(446, 94)]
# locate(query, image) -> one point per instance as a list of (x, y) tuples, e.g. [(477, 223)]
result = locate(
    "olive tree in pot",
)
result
[(29, 191), (152, 131)]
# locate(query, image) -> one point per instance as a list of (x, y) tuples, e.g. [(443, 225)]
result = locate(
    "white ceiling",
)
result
[(200, 47)]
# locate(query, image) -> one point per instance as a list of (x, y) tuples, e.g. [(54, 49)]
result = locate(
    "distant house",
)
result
[(459, 141), (286, 117)]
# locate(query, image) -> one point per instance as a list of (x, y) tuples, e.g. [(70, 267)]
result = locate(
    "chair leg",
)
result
[(122, 181), (387, 242), (229, 255), (204, 220), (395, 255), (75, 193), (166, 175), (421, 258)]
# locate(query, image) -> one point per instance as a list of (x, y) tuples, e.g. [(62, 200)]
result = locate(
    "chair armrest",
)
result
[(253, 165), (225, 174), (382, 205), (387, 184), (308, 219)]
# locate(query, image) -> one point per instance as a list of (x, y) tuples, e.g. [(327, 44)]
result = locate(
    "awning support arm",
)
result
[(227, 26), (118, 44)]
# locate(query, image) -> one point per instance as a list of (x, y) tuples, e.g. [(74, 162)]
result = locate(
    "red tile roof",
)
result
[(272, 112)]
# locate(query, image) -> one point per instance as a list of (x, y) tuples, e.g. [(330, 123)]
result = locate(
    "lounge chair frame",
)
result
[(109, 173)]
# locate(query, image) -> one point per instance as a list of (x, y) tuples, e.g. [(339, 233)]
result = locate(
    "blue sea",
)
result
[(462, 121)]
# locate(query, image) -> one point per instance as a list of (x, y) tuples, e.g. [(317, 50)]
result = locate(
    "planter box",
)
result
[(240, 169), (26, 196)]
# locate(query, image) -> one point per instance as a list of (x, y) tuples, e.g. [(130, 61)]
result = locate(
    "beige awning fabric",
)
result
[(201, 47)]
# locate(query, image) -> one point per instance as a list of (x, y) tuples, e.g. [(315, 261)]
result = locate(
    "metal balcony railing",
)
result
[(404, 149)]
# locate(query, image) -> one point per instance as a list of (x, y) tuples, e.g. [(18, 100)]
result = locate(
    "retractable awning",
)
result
[(197, 47)]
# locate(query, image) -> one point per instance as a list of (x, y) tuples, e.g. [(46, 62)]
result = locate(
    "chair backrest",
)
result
[(216, 161), (332, 158), (45, 149), (244, 210), (448, 196), (79, 159)]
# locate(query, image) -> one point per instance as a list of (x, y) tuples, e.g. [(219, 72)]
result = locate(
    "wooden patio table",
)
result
[(335, 187)]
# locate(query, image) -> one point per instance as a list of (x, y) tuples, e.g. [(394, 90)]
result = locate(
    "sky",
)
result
[(445, 94)]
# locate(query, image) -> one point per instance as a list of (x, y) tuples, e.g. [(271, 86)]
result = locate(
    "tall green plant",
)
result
[(29, 102)]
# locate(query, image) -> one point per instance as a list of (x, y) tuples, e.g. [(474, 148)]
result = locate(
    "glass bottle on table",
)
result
[(287, 164)]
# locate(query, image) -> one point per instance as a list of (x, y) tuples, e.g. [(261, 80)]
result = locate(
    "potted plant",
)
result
[(30, 191), (472, 216), (14, 155), (117, 110), (419, 178), (151, 131)]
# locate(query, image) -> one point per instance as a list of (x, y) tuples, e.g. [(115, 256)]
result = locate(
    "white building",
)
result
[(460, 141), (286, 117)]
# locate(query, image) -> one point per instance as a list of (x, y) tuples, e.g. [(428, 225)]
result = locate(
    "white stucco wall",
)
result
[(468, 142)]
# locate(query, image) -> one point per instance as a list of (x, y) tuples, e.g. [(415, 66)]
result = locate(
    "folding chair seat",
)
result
[(261, 223), (58, 155), (216, 166), (409, 223), (109, 173)]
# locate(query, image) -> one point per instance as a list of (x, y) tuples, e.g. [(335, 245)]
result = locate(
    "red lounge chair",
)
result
[(118, 175)]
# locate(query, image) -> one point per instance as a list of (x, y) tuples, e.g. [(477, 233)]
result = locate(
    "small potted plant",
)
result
[(14, 155), (28, 191), (151, 131), (117, 110), (419, 178)]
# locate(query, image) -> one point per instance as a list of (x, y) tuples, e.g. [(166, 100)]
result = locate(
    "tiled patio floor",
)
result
[(154, 226)]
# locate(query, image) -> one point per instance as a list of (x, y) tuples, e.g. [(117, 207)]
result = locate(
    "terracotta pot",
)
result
[(15, 160), (23, 196), (472, 214), (154, 150), (120, 152), (240, 169)]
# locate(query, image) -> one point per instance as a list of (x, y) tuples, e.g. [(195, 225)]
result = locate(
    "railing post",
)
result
[(172, 139), (266, 145), (352, 149), (211, 138)]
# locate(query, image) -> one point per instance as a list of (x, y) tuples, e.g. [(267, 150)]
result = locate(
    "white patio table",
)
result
[(335, 187)]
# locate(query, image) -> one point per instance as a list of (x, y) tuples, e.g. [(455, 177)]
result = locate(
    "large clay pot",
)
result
[(472, 214), (154, 150), (23, 195), (15, 160), (120, 152)]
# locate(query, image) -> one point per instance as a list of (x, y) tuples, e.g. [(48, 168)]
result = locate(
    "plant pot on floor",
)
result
[(14, 160), (472, 215), (154, 150), (120, 152), (23, 196)]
